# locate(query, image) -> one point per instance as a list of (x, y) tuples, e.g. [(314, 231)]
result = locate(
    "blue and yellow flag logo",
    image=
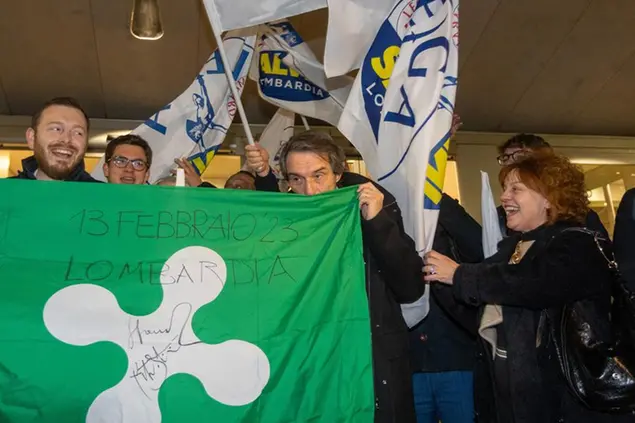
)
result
[(279, 81), (435, 174)]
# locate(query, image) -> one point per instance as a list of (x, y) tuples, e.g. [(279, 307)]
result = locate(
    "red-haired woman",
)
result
[(518, 378)]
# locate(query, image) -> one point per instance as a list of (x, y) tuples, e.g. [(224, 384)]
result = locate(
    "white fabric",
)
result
[(276, 134), (290, 76), (491, 226), (357, 22), (399, 126), (233, 14), (233, 372), (194, 125)]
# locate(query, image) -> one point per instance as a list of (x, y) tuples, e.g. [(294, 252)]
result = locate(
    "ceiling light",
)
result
[(145, 20)]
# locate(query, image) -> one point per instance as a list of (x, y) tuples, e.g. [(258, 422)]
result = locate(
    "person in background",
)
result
[(624, 238), (523, 145), (312, 163), (241, 180), (443, 344), (58, 136), (127, 160), (544, 264)]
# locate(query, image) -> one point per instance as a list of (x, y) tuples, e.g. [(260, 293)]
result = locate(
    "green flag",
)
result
[(160, 304)]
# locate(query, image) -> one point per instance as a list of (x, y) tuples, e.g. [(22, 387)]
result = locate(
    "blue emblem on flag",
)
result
[(376, 70), (286, 31), (279, 81), (204, 115)]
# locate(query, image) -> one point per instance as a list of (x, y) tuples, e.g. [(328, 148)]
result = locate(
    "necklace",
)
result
[(517, 255)]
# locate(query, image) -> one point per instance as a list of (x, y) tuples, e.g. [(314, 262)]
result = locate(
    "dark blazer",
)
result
[(441, 342), (393, 277), (624, 237)]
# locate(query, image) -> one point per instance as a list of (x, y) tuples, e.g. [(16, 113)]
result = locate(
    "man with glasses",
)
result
[(127, 160), (522, 145)]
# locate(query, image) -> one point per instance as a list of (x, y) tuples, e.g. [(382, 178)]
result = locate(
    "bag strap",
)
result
[(612, 263)]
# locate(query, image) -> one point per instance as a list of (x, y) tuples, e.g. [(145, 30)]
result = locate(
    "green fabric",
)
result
[(295, 288)]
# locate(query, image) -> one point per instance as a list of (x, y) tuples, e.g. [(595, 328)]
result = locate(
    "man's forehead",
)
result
[(241, 178), (58, 111), (307, 162), (130, 151)]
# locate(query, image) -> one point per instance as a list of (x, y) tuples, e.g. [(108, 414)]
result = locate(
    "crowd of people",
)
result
[(484, 353)]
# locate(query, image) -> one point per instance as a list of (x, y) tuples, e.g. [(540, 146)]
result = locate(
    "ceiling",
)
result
[(563, 67)]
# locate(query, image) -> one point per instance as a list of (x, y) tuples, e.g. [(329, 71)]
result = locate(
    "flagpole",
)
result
[(232, 84), (305, 122)]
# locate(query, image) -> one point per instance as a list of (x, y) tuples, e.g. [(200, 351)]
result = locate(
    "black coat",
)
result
[(441, 342), (29, 166), (624, 237), (393, 277), (559, 268)]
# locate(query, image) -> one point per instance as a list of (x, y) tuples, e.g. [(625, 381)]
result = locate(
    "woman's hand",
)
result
[(439, 268)]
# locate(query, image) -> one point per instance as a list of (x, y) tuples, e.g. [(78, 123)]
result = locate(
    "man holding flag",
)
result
[(312, 163)]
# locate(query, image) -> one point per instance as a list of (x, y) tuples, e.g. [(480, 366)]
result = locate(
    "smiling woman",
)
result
[(544, 265), (543, 188)]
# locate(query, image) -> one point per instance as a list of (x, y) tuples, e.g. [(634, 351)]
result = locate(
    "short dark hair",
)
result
[(319, 143), (528, 141), (129, 139), (58, 101), (243, 172), (240, 172)]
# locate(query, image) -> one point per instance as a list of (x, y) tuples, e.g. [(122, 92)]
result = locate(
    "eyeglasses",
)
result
[(505, 159), (122, 162)]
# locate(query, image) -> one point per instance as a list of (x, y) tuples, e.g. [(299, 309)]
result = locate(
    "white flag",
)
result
[(276, 134), (290, 76), (492, 234), (352, 27), (233, 14), (402, 129), (194, 125)]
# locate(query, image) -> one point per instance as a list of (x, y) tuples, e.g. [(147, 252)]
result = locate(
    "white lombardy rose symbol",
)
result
[(160, 344)]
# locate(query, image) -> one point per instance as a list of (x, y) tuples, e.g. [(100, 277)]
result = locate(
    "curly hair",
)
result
[(558, 180)]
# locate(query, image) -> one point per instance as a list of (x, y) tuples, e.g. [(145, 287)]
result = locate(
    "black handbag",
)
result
[(595, 345)]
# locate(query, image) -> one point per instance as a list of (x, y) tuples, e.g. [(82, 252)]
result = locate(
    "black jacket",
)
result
[(624, 237), (29, 166), (441, 342), (393, 276), (559, 268), (593, 222)]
